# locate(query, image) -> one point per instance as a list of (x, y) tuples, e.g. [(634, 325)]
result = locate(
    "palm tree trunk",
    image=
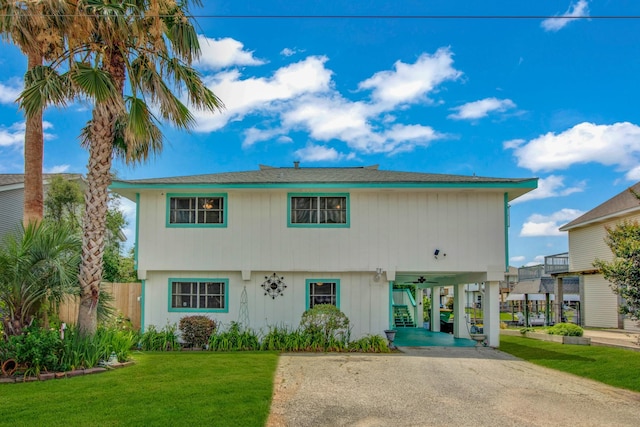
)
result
[(102, 133), (33, 158), (93, 225)]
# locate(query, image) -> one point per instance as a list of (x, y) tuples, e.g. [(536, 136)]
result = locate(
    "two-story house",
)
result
[(600, 306), (263, 246)]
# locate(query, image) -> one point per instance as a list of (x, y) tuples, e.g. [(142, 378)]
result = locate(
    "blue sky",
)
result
[(545, 97)]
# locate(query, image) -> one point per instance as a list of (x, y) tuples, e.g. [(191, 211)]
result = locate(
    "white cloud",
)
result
[(551, 186), (253, 135), (290, 52), (610, 145), (222, 53), (12, 135), (10, 90), (547, 225), (57, 169), (409, 83), (481, 108), (516, 259), (303, 97), (575, 10), (258, 94), (319, 153)]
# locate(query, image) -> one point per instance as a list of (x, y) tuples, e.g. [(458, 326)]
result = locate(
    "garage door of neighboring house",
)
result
[(600, 303)]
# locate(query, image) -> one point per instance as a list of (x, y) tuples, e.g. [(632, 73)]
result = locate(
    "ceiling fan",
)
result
[(422, 280)]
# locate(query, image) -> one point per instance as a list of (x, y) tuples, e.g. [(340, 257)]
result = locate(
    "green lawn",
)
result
[(613, 366), (177, 389)]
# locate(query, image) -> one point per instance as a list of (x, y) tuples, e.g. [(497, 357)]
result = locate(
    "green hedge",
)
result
[(566, 329)]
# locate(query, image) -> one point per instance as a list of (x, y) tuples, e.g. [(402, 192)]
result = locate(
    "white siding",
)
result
[(587, 244), (365, 302), (600, 306), (392, 230)]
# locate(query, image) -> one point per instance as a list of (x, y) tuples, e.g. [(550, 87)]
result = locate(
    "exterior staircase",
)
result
[(402, 317)]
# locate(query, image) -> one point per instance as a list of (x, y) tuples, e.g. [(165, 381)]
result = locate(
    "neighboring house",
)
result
[(263, 246), (586, 244), (535, 293), (12, 199)]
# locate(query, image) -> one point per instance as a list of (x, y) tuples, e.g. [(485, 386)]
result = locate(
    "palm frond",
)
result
[(44, 86), (93, 82)]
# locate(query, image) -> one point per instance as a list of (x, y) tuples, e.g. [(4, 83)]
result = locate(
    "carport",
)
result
[(489, 281)]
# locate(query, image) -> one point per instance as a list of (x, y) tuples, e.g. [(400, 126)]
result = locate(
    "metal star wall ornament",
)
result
[(273, 285)]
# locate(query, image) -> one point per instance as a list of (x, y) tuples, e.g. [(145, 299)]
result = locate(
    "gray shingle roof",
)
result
[(18, 178), (370, 174), (622, 202)]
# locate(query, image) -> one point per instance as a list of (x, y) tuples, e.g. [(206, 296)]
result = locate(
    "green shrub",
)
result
[(196, 330), (36, 349), (234, 339), (160, 340), (370, 344), (327, 327), (42, 350), (566, 329)]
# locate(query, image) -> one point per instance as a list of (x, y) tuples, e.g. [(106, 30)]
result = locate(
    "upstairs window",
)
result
[(325, 210), (196, 210)]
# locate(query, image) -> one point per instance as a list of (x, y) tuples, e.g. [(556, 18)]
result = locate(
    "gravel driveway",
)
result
[(436, 386)]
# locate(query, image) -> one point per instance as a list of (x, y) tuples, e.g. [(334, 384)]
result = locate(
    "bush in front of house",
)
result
[(566, 329), (327, 326), (370, 344), (39, 350), (196, 330), (235, 338), (164, 339)]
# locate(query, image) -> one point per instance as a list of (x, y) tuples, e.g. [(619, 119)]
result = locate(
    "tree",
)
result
[(624, 271), (64, 204), (149, 45), (64, 201), (35, 27), (38, 265)]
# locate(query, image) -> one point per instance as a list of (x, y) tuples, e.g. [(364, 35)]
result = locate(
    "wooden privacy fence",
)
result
[(125, 301)]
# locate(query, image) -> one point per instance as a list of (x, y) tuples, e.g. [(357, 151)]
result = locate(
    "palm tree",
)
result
[(38, 265), (36, 28), (141, 45)]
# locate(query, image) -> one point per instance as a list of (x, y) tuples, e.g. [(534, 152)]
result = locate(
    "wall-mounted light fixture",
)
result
[(378, 274), (436, 253)]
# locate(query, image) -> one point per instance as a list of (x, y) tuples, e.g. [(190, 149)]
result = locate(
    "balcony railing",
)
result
[(556, 263), (532, 272)]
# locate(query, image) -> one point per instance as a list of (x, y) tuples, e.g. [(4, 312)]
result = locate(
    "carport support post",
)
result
[(419, 307), (491, 313), (435, 309), (559, 296), (460, 329)]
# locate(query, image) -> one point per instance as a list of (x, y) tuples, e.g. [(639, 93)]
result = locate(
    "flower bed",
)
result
[(547, 337)]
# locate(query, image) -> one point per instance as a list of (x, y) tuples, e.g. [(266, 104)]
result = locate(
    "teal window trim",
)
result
[(142, 292), (225, 210), (135, 243), (308, 293), (506, 232), (198, 310), (347, 224)]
